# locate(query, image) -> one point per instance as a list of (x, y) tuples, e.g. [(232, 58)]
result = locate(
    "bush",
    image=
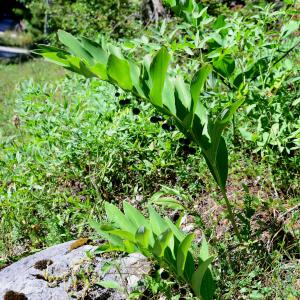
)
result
[(87, 18)]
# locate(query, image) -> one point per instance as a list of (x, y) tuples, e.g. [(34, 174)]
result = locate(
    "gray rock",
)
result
[(60, 274)]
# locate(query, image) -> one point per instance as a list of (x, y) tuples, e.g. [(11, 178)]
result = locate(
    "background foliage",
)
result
[(68, 144)]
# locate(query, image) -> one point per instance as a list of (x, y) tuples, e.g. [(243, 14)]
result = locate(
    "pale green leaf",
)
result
[(98, 53), (74, 46), (158, 73), (142, 237), (182, 252), (169, 202), (134, 215), (198, 82), (119, 72), (204, 250), (157, 223), (108, 284), (117, 217), (162, 243)]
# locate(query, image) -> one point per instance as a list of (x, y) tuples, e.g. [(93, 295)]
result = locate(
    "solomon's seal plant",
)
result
[(150, 81), (159, 239)]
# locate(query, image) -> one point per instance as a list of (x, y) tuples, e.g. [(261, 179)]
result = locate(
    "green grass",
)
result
[(11, 76)]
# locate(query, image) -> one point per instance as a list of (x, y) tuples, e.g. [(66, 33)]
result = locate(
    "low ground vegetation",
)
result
[(69, 146)]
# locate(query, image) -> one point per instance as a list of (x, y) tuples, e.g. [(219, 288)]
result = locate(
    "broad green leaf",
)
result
[(99, 70), (182, 99), (130, 247), (161, 243), (104, 231), (104, 248), (228, 112), (216, 129), (183, 92), (198, 275), (158, 73), (208, 286), (204, 250), (135, 74), (117, 217), (123, 234), (219, 23), (53, 54), (178, 223), (169, 259), (224, 64), (97, 52), (169, 202), (216, 155), (99, 227), (218, 165), (116, 51), (182, 252), (145, 81), (200, 126), (168, 96), (119, 72), (83, 69), (134, 215), (198, 82), (178, 233), (45, 48), (189, 268), (157, 223), (74, 46), (55, 57), (142, 237)]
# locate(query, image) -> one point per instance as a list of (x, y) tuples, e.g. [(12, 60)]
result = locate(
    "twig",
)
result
[(288, 211)]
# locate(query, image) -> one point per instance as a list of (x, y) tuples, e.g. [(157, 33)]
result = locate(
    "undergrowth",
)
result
[(77, 146), (69, 145)]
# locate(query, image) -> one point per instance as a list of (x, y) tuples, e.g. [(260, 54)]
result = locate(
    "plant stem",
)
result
[(231, 215)]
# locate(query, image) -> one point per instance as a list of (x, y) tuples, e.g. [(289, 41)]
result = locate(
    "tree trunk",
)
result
[(152, 10)]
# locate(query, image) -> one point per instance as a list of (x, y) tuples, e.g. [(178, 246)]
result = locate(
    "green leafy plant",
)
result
[(189, 10), (151, 81), (159, 239)]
